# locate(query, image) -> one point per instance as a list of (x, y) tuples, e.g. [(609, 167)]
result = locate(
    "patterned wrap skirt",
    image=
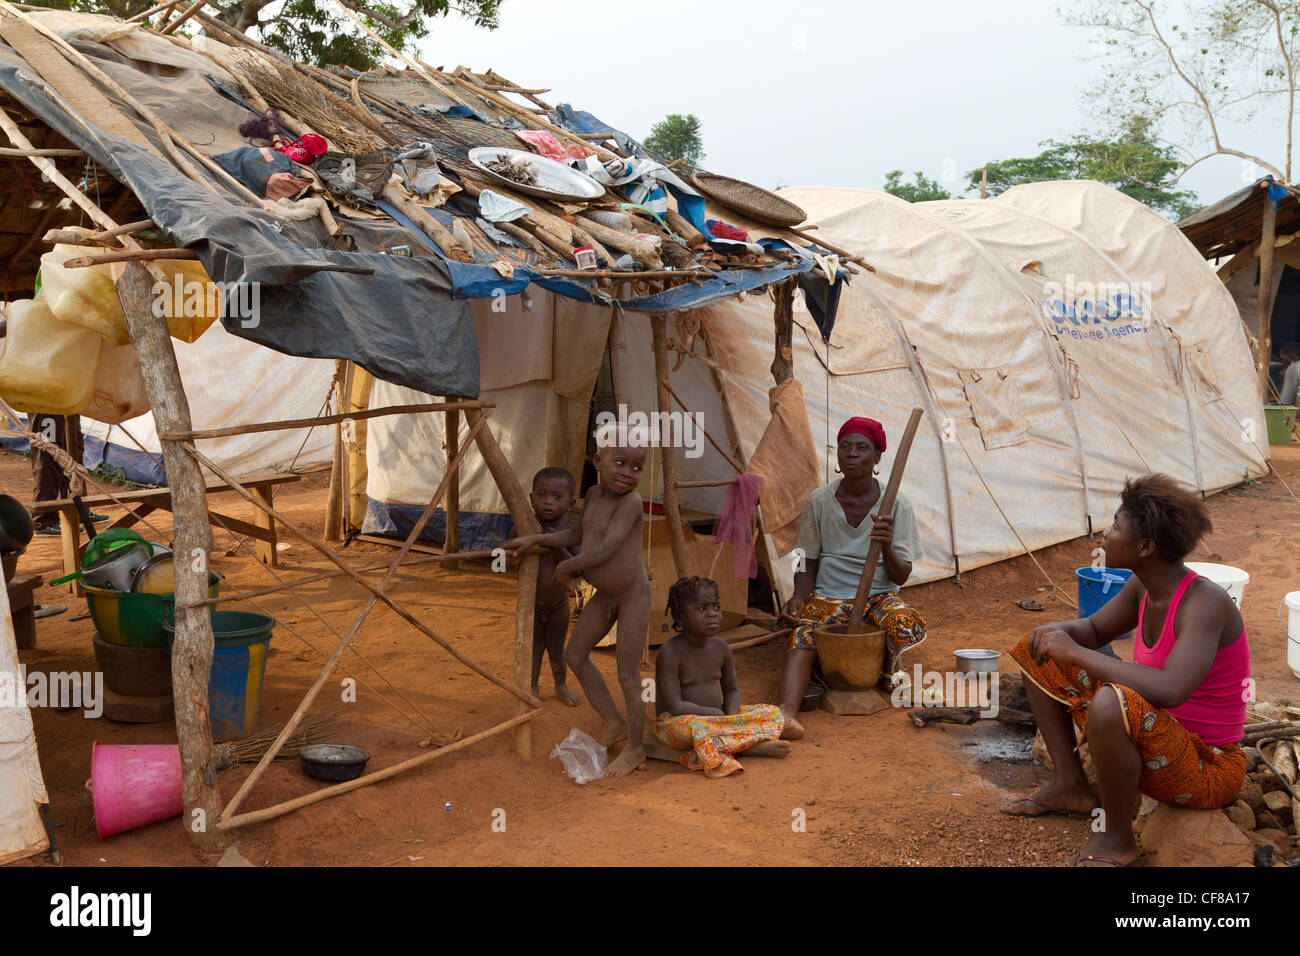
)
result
[(707, 743), (904, 628), (1178, 767)]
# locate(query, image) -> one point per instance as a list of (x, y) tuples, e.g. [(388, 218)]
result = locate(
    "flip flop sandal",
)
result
[(1045, 810), (1076, 860), (1030, 604)]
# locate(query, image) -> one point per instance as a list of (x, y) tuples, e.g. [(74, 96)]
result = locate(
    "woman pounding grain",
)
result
[(1167, 724), (834, 538)]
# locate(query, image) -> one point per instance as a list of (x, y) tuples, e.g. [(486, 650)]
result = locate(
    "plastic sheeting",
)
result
[(22, 787)]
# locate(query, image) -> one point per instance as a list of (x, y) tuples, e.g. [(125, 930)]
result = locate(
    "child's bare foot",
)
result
[(793, 730), (565, 695), (1054, 798), (769, 748), (632, 758), (613, 733)]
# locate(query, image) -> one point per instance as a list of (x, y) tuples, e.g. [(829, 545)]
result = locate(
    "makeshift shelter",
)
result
[(108, 113), (1251, 236), (22, 786), (1041, 396)]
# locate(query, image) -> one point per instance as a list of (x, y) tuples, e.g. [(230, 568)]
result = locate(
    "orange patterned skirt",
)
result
[(1178, 767), (707, 743)]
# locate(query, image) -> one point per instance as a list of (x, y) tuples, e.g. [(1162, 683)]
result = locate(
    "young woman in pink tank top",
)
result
[(1166, 725)]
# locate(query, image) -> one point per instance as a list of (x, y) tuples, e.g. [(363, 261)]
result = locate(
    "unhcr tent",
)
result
[(1041, 395)]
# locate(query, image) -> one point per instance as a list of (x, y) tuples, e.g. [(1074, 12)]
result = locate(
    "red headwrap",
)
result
[(864, 426)]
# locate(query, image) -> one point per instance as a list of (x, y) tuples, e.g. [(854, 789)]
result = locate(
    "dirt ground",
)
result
[(875, 790)]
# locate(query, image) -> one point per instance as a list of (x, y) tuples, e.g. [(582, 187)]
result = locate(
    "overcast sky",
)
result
[(812, 92)]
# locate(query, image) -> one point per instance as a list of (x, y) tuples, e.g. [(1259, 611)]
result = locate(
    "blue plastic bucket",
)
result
[(1097, 586), (241, 641)]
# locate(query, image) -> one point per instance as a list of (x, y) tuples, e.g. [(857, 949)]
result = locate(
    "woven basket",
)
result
[(758, 204)]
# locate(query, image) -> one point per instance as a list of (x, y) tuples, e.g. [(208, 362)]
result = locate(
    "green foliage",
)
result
[(114, 473), (922, 190), (677, 136), (1133, 163), (317, 31)]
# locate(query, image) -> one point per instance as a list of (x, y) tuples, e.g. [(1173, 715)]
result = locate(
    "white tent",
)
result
[(22, 786), (230, 380), (1029, 431)]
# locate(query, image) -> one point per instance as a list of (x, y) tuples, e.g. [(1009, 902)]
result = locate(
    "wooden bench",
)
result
[(141, 503)]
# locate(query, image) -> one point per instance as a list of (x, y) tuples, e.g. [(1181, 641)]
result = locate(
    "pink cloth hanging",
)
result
[(734, 522), (544, 142)]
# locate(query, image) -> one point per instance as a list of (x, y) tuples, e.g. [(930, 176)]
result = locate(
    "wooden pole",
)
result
[(721, 451), (451, 540), (883, 507), (6, 152), (174, 24), (141, 255), (1264, 303), (526, 522), (984, 184), (305, 704), (782, 367), (288, 806), (192, 645), (334, 503), (252, 427), (667, 453)]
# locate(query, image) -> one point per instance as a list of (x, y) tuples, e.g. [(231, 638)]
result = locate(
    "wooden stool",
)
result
[(22, 603)]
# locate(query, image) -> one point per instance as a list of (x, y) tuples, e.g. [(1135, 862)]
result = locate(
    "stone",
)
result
[(1174, 836), (1268, 710), (1252, 794), (1252, 758), (232, 857), (1241, 814), (1039, 752), (1278, 839), (1267, 820), (854, 703), (1279, 801)]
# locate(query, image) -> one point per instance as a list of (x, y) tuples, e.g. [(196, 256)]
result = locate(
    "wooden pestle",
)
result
[(883, 507)]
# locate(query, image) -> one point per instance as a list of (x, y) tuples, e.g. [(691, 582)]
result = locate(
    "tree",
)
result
[(1216, 63), (923, 190), (316, 31), (677, 136), (1133, 163)]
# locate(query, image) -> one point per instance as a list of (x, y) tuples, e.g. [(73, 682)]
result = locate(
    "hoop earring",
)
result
[(875, 471), (837, 471)]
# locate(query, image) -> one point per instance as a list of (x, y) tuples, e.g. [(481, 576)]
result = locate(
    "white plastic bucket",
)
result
[(1292, 602), (1233, 580)]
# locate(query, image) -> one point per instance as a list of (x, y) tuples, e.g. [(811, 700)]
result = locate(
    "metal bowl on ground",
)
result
[(333, 762), (16, 528), (976, 660), (850, 661), (812, 696)]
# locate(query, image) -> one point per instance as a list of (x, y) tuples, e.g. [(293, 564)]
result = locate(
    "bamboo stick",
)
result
[(761, 639), (450, 557), (721, 482), (77, 237), (401, 612), (801, 233), (174, 24), (252, 427), (883, 507), (41, 152), (620, 274), (333, 660), (152, 10), (526, 522), (667, 458), (142, 255), (451, 539), (730, 461), (288, 806)]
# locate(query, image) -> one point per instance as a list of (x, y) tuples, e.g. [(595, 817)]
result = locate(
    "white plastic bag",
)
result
[(584, 759)]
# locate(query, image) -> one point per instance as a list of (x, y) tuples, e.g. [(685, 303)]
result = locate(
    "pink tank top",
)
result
[(1216, 711)]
